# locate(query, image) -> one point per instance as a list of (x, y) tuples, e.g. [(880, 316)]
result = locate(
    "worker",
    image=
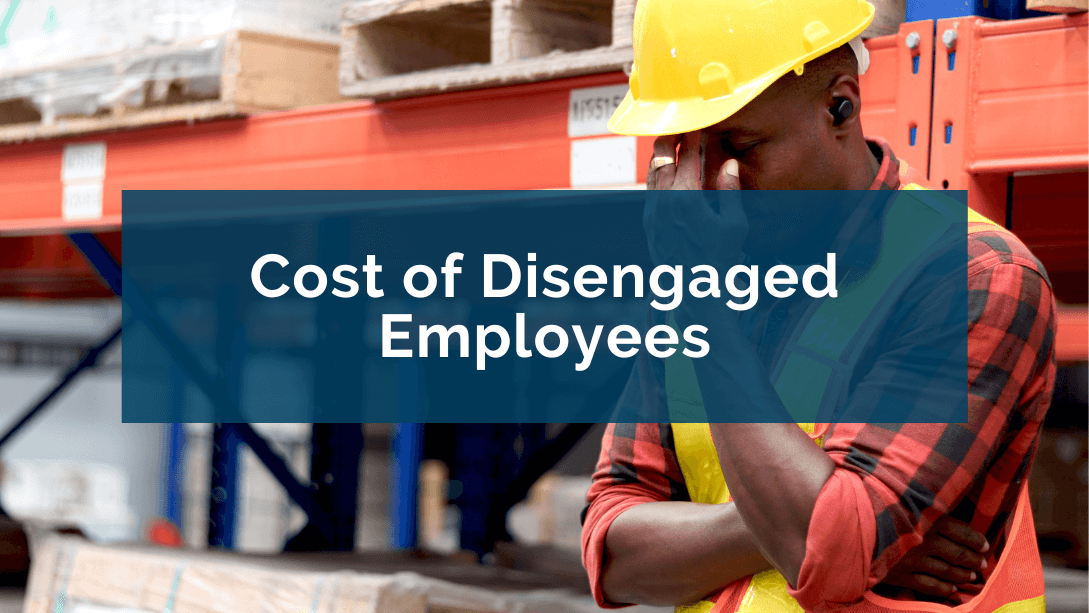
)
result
[(764, 95)]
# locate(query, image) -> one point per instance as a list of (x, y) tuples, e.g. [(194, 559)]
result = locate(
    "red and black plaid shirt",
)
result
[(912, 473)]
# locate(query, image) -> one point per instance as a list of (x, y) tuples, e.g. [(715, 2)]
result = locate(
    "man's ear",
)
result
[(844, 104)]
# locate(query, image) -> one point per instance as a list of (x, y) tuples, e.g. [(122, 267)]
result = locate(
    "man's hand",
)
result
[(697, 228), (685, 162), (949, 559)]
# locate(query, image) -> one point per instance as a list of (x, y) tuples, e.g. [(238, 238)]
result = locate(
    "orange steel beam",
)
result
[(1072, 336), (896, 93), (1016, 99), (1014, 102), (499, 138)]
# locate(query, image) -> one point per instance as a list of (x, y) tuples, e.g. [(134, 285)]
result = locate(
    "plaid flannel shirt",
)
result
[(908, 474)]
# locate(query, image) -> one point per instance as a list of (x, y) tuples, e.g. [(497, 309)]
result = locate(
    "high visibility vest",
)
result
[(916, 221)]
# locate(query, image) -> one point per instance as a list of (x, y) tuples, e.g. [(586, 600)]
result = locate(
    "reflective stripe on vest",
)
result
[(801, 377)]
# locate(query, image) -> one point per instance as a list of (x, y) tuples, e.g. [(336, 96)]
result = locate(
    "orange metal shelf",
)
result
[(896, 97), (500, 138), (1072, 335), (48, 266), (503, 138), (1016, 99)]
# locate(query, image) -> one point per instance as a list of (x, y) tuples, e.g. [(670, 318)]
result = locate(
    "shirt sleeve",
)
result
[(637, 464), (893, 481)]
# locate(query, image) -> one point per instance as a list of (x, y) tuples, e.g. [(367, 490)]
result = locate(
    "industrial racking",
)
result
[(998, 109)]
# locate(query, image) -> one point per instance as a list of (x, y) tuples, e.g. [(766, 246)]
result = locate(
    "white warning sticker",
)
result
[(83, 169), (82, 201), (83, 161), (603, 162), (591, 107)]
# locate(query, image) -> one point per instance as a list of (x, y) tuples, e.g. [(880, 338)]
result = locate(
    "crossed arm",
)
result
[(667, 552)]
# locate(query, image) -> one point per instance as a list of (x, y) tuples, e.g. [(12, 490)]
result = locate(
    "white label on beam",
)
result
[(591, 107), (82, 201), (83, 161), (83, 169), (602, 162)]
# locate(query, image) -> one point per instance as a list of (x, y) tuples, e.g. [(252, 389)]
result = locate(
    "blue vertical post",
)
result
[(226, 443), (338, 386), (407, 447), (407, 452), (173, 490), (174, 466), (223, 494), (334, 471)]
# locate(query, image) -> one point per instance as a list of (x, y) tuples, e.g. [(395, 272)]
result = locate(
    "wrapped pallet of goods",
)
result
[(71, 66), (70, 574)]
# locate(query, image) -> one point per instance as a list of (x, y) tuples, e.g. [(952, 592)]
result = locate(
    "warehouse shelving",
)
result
[(896, 91), (1011, 126), (1009, 97), (1011, 102)]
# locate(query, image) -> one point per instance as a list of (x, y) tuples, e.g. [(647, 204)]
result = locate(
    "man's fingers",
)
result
[(727, 178), (960, 532), (688, 163), (666, 146), (957, 554), (931, 586), (663, 165), (944, 571), (665, 177), (660, 161)]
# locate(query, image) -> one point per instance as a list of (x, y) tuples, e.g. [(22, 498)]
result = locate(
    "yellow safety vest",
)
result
[(913, 223)]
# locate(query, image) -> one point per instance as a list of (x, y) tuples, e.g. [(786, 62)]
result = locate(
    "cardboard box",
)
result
[(72, 574), (222, 75)]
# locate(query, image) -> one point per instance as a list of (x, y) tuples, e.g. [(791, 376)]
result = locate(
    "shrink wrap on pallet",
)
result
[(80, 59), (43, 33)]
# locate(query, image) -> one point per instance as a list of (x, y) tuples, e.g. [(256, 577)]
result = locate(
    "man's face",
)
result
[(781, 141)]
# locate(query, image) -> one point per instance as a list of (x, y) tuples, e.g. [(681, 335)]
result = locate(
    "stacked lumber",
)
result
[(401, 48)]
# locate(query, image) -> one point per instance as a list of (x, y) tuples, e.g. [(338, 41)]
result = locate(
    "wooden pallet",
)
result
[(239, 72), (401, 48)]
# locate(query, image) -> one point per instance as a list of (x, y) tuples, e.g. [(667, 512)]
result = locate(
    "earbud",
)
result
[(841, 110)]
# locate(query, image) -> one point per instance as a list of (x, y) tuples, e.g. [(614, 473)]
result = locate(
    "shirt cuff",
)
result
[(599, 518), (839, 546)]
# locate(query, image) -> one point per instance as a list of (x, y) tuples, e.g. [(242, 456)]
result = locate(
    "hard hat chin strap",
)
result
[(862, 53)]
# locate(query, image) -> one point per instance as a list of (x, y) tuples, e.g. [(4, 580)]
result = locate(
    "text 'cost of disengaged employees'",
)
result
[(667, 284)]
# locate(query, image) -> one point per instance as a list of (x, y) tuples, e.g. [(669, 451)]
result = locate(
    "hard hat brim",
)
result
[(653, 118)]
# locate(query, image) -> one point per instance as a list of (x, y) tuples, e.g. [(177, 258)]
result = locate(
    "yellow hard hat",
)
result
[(699, 61)]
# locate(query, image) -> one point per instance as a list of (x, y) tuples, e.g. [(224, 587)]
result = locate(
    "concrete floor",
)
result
[(11, 600)]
